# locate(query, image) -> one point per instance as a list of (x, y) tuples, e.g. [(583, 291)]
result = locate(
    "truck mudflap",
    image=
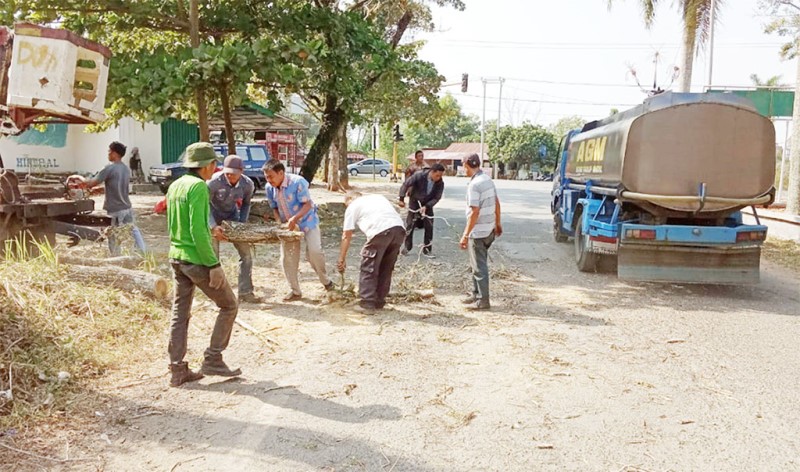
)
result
[(724, 265)]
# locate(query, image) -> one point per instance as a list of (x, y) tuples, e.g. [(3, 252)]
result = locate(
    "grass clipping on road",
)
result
[(783, 252), (56, 335)]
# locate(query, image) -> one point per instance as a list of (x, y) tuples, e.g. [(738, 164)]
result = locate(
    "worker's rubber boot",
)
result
[(216, 366), (182, 374)]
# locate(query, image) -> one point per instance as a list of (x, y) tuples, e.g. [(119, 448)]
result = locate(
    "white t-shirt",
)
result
[(373, 214)]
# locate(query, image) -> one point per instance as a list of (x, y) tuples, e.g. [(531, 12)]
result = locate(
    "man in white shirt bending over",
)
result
[(380, 222)]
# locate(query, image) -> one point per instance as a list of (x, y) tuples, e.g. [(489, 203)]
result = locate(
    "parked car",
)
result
[(370, 166), (253, 155)]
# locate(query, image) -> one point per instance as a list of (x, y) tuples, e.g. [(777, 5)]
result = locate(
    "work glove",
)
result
[(216, 278)]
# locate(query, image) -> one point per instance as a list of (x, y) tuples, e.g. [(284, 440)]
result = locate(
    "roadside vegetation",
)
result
[(57, 335)]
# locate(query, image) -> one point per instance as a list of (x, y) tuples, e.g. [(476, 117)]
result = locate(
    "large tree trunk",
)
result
[(332, 119), (200, 93), (334, 116), (226, 115), (344, 176), (336, 175), (123, 279), (126, 262), (793, 198), (326, 167), (687, 61)]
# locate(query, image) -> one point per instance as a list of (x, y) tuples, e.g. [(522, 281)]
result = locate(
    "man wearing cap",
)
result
[(230, 201), (483, 226), (195, 264), (291, 203), (116, 178)]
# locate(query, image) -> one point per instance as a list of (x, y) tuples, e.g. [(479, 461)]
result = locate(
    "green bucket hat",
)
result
[(199, 155)]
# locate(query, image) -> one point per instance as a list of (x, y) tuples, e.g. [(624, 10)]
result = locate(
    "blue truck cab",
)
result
[(654, 234)]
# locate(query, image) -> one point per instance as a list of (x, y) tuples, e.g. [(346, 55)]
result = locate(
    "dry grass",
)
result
[(783, 252), (56, 335)]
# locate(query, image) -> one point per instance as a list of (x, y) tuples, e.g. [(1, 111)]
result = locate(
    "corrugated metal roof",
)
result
[(253, 117)]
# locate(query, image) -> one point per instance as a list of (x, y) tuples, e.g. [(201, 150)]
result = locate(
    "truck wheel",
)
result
[(585, 260), (558, 234), (163, 187)]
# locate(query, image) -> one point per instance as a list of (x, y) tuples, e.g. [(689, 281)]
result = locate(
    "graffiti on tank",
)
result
[(38, 56)]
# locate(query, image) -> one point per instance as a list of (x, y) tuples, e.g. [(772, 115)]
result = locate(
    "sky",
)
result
[(573, 57)]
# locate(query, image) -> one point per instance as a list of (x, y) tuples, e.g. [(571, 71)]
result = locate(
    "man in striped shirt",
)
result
[(483, 226)]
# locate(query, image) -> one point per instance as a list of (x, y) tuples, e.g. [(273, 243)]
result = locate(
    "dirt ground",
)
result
[(569, 371)]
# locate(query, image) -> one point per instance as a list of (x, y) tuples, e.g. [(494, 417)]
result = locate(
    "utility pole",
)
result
[(711, 43), (483, 118), (485, 81), (200, 93)]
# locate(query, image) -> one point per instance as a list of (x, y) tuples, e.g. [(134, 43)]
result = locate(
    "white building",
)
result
[(70, 149)]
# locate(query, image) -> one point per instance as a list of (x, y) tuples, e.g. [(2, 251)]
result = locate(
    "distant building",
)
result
[(353, 157), (452, 157)]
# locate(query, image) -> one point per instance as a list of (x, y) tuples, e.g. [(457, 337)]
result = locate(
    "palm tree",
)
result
[(697, 17)]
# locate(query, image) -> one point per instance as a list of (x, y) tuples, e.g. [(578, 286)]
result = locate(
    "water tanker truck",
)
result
[(657, 190)]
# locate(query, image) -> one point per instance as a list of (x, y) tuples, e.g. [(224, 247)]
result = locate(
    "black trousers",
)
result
[(378, 257), (414, 219)]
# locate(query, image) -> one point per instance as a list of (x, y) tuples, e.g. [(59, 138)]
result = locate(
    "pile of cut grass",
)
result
[(57, 335)]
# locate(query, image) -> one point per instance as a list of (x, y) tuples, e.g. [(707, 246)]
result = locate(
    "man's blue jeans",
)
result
[(479, 263), (245, 251), (125, 217)]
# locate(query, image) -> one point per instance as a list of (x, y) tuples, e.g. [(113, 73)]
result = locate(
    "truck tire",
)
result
[(584, 259), (558, 233), (163, 187)]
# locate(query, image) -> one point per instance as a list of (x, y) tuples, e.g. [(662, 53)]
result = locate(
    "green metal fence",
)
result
[(175, 136)]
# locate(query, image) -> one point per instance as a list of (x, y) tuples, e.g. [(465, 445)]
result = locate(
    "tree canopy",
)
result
[(526, 144)]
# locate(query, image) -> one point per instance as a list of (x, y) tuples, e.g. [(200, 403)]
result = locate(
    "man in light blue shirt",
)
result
[(291, 203), (230, 193)]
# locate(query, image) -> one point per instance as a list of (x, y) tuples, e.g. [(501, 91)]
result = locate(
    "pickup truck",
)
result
[(253, 155)]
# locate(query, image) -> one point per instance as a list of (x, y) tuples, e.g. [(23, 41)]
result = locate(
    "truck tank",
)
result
[(695, 153)]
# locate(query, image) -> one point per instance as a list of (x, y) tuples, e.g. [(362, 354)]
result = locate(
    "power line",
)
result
[(551, 101), (470, 43), (580, 84)]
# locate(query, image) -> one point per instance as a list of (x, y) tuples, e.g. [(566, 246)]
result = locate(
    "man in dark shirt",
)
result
[(117, 177), (136, 166), (230, 194), (424, 190)]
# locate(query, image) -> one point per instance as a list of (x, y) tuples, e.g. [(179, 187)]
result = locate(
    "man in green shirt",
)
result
[(195, 264)]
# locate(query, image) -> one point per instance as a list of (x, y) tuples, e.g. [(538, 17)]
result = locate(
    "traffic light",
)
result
[(464, 82), (397, 136)]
